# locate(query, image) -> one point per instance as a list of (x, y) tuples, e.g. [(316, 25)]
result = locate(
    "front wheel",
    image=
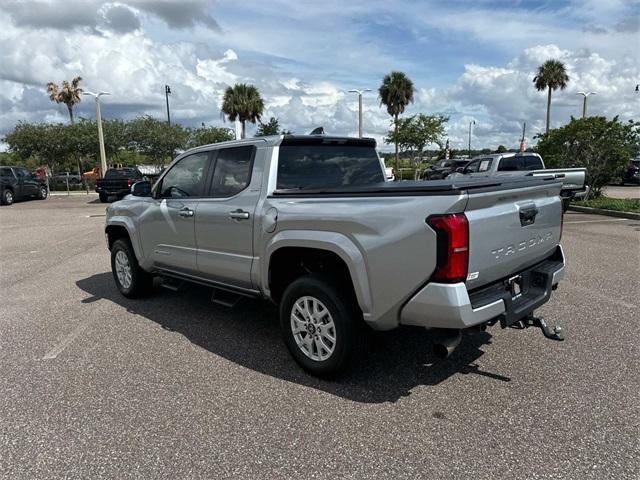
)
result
[(7, 197), (320, 325), (43, 193), (131, 280)]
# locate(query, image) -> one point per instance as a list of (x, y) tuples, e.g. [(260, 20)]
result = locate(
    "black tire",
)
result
[(43, 193), (565, 204), (343, 308), (104, 198), (141, 282), (7, 197)]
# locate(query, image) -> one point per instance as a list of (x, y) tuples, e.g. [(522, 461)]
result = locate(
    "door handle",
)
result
[(239, 214), (186, 212)]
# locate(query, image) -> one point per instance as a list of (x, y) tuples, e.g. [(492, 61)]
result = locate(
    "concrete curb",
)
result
[(602, 211), (71, 194)]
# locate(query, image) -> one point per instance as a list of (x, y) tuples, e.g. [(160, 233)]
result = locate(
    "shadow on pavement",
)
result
[(249, 335)]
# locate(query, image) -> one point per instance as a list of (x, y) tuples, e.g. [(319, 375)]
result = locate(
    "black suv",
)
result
[(632, 173), (17, 183)]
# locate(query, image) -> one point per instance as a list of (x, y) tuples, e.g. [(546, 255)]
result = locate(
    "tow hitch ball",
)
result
[(554, 333)]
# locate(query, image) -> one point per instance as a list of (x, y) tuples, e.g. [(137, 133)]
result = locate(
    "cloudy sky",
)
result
[(469, 60)]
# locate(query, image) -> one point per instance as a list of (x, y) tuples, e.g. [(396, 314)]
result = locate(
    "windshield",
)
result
[(304, 167)]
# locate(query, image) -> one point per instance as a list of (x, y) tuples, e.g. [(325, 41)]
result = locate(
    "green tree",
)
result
[(70, 94), (272, 127), (242, 102), (396, 92), (552, 75), (601, 146), (156, 139), (416, 132), (207, 135), (501, 149)]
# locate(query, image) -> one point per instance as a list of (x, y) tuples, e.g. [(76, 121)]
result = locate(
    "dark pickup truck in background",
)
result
[(17, 183), (117, 183)]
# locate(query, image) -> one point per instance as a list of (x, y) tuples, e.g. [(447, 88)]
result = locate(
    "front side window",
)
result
[(22, 172), (485, 164), (186, 178), (473, 167), (232, 172), (304, 167)]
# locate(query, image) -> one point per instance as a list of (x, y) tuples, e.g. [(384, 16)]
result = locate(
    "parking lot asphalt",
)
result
[(622, 191), (93, 385)]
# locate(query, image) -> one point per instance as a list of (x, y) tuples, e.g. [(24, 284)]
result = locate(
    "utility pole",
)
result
[(472, 122), (360, 92), (103, 156), (524, 128), (584, 102), (167, 92)]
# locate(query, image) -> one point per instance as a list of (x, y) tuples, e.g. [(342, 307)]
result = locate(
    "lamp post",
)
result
[(360, 92), (103, 157), (584, 101), (167, 92), (472, 122)]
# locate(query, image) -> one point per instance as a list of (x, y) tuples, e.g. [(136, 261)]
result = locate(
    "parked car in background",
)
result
[(73, 178), (310, 223), (117, 183), (529, 164), (442, 168), (632, 173), (18, 183)]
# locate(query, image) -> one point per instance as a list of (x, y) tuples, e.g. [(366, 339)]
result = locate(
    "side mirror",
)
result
[(141, 189)]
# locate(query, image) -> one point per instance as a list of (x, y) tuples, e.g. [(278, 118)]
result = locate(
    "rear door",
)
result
[(225, 220), (27, 182), (511, 228), (167, 225)]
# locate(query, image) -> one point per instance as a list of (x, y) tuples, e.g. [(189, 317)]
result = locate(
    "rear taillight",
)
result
[(129, 183), (452, 232)]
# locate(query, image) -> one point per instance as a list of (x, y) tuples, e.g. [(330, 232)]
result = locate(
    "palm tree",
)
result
[(70, 94), (396, 92), (552, 75), (243, 102)]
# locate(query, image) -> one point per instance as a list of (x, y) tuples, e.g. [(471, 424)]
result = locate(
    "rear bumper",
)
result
[(113, 191), (440, 305)]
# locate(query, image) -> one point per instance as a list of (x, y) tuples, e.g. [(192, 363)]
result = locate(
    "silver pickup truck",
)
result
[(530, 164), (310, 223)]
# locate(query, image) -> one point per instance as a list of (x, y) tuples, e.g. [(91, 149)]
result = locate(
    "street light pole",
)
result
[(167, 92), (584, 102), (472, 122), (103, 156), (360, 92)]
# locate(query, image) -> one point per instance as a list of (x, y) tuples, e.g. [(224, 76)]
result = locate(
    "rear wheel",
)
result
[(103, 197), (131, 280), (320, 325), (7, 197)]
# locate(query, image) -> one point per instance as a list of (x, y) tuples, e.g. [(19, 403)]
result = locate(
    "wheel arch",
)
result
[(288, 246), (123, 228)]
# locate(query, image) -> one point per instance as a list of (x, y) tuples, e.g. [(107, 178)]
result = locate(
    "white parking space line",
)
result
[(598, 221), (66, 341)]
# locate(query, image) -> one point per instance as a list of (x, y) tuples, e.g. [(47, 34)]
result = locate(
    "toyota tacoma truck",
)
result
[(310, 223)]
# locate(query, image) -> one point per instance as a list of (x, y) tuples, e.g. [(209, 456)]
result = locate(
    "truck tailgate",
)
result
[(511, 229)]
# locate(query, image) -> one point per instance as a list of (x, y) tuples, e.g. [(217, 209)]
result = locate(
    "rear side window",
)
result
[(531, 162), (511, 164), (232, 172), (6, 172), (307, 167), (186, 178), (122, 173)]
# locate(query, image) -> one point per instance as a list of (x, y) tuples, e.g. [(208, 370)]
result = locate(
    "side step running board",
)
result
[(173, 284), (225, 298)]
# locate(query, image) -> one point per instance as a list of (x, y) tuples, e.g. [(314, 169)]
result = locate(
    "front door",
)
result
[(167, 225), (28, 184), (224, 229)]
